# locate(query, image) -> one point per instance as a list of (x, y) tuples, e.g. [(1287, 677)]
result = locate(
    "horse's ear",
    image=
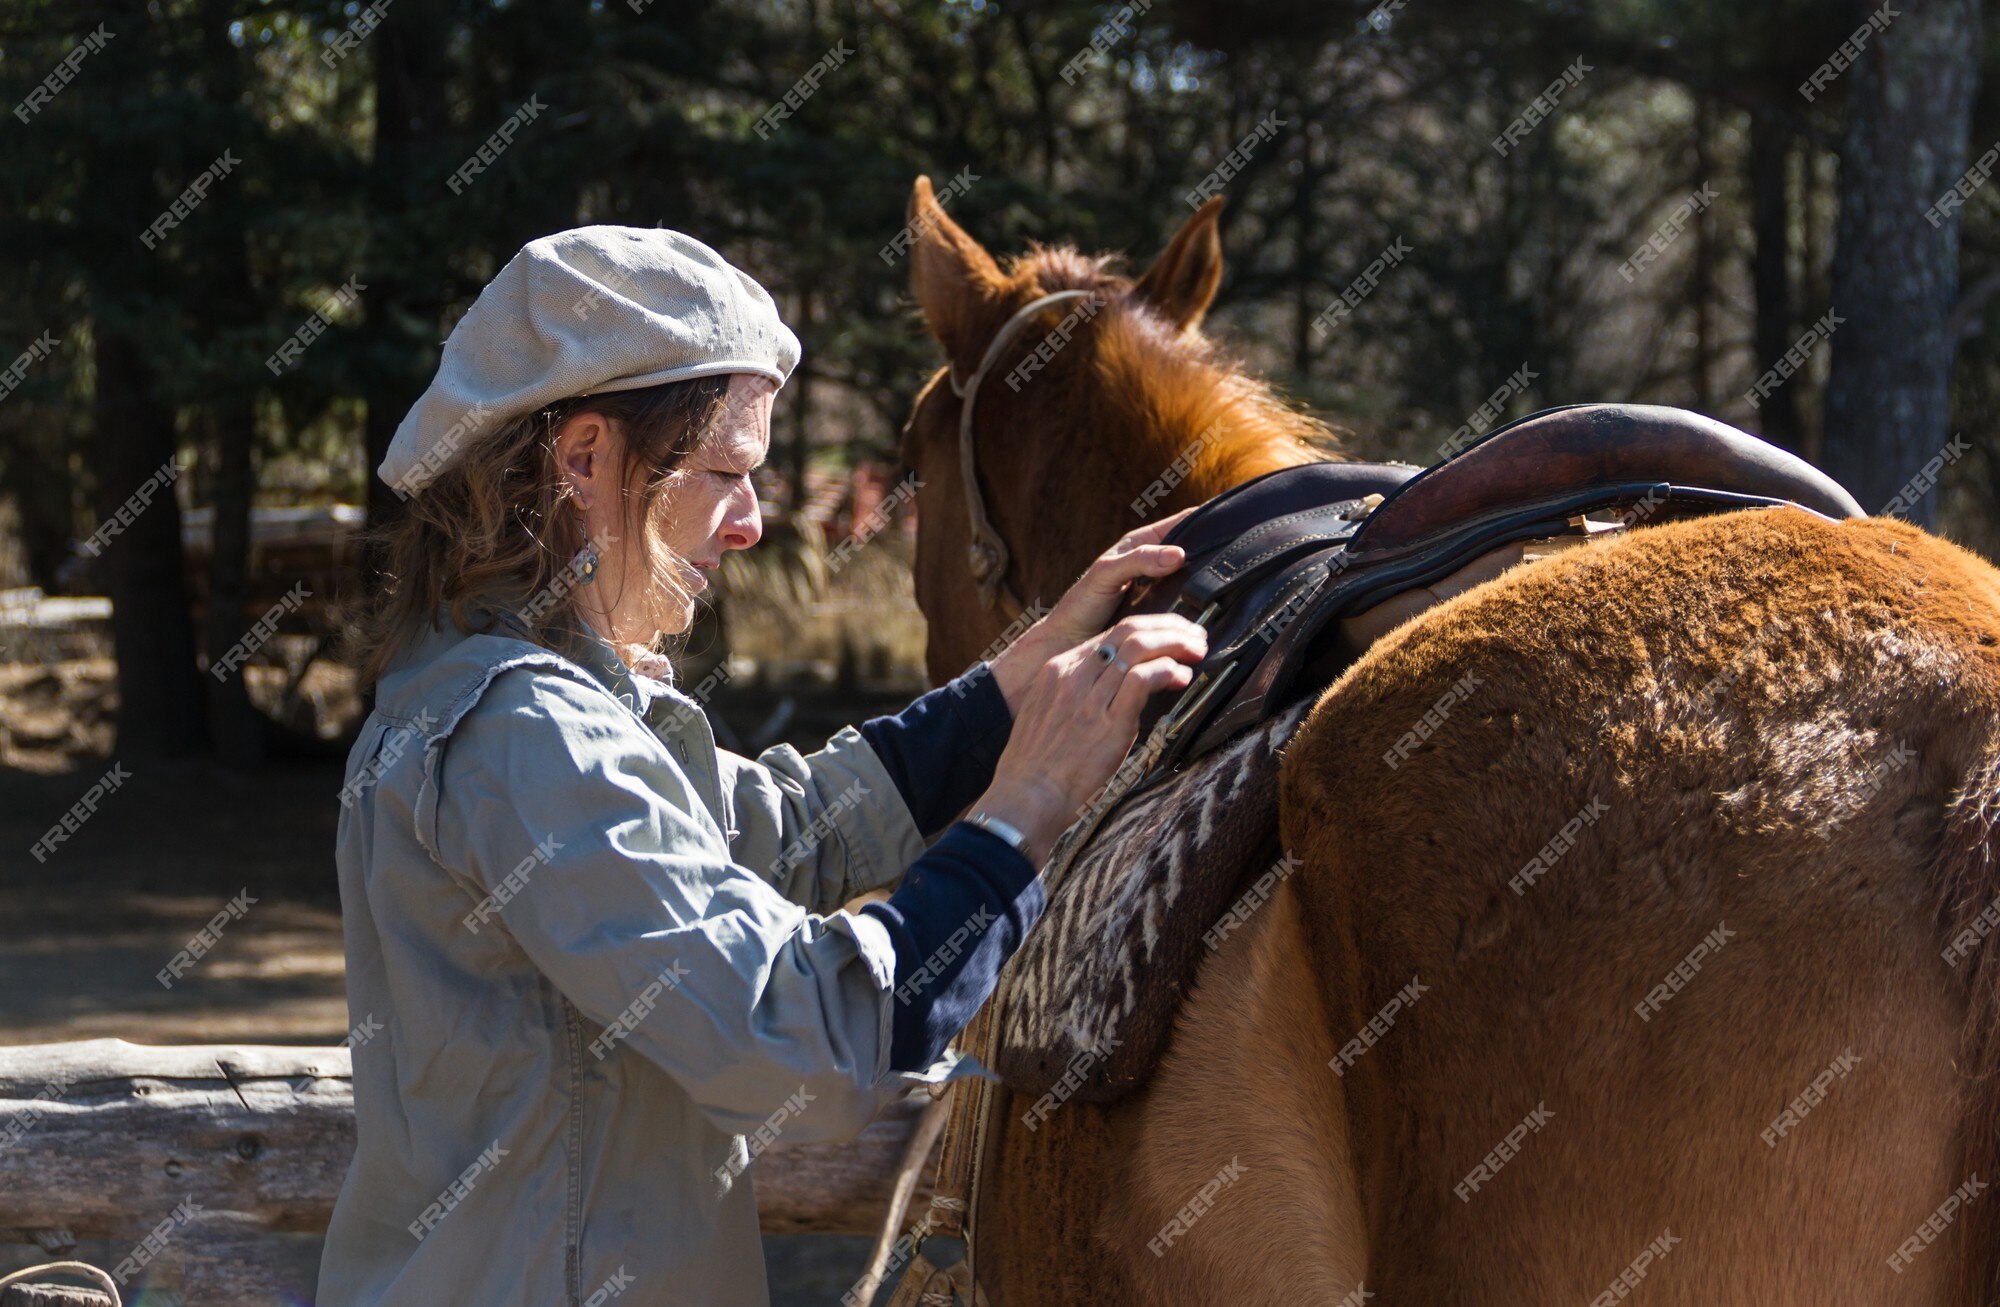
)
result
[(1182, 281), (953, 276)]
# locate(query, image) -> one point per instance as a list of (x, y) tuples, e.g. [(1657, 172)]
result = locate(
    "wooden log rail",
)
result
[(104, 1140)]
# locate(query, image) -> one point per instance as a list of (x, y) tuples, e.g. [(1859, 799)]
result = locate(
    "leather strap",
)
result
[(986, 553), (1271, 545)]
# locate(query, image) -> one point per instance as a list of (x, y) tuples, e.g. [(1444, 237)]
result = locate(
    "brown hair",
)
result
[(494, 531)]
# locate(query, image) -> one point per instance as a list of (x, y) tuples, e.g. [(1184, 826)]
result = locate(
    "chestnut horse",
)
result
[(1732, 1037)]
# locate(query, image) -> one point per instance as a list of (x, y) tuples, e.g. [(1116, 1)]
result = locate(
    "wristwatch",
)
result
[(1007, 831)]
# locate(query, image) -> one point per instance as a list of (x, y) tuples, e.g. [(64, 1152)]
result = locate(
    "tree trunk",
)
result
[(1770, 269), (160, 700), (1895, 274), (236, 728)]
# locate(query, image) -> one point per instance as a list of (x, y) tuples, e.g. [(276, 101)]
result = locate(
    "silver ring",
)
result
[(1105, 653)]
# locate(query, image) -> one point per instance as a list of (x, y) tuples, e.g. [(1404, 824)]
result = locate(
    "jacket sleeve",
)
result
[(821, 827), (584, 833)]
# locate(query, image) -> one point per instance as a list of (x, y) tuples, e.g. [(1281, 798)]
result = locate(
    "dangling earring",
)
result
[(586, 563)]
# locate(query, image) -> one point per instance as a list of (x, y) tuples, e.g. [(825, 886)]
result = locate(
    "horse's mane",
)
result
[(1164, 394)]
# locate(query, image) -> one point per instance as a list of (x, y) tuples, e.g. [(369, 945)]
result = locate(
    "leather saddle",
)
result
[(1296, 572)]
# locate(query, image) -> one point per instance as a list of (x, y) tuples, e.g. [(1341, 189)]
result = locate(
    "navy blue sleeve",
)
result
[(941, 750), (961, 911)]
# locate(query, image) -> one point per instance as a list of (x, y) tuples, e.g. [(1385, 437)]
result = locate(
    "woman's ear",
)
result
[(583, 456)]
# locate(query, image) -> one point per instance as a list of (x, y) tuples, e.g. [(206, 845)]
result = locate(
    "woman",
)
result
[(595, 963)]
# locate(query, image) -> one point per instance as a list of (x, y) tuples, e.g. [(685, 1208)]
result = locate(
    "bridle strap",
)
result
[(986, 552)]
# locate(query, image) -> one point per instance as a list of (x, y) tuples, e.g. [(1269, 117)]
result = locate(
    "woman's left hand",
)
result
[(1086, 607)]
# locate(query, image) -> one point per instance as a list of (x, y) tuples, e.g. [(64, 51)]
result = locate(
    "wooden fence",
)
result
[(104, 1139)]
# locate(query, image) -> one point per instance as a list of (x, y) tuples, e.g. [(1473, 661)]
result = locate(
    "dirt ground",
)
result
[(84, 932)]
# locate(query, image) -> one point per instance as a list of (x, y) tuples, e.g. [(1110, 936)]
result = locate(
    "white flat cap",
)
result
[(580, 312)]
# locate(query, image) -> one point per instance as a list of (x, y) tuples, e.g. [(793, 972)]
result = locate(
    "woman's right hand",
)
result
[(1078, 719)]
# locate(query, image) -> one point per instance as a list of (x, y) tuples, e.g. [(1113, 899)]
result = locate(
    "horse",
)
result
[(1683, 915)]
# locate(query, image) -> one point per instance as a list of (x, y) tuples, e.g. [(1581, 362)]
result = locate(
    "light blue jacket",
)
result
[(607, 966)]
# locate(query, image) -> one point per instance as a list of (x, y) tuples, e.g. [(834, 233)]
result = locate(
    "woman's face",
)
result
[(707, 507)]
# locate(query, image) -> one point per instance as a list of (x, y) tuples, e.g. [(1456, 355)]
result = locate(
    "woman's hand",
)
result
[(1078, 717), (1086, 607)]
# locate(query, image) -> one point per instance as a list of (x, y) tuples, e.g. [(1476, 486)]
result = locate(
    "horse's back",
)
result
[(1655, 854)]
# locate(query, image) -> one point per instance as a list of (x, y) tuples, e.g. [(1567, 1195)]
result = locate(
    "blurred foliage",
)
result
[(652, 116)]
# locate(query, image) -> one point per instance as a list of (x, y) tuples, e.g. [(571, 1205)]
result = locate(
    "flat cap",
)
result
[(581, 312)]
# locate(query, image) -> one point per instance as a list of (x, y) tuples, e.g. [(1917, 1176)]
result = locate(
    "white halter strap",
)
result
[(986, 553)]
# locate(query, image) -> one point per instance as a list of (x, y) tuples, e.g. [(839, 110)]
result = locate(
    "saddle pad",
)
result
[(1094, 991)]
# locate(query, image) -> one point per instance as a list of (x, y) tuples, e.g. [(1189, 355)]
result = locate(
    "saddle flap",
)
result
[(1093, 991)]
